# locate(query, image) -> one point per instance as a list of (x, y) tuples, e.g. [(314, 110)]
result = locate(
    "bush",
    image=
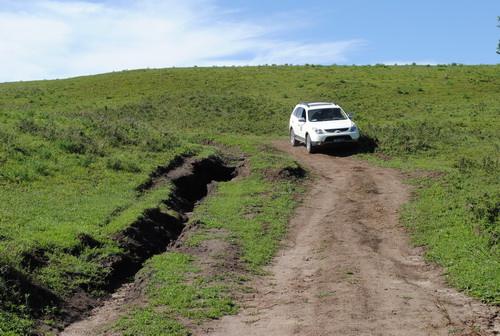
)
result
[(156, 141), (485, 210), (409, 137), (28, 125), (123, 164), (76, 141)]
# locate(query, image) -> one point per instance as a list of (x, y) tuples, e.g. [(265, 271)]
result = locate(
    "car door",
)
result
[(294, 120), (301, 120)]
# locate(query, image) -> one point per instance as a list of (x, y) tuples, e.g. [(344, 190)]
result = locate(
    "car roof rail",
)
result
[(309, 104)]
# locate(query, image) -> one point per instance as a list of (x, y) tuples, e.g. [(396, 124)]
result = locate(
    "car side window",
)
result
[(303, 114), (296, 112)]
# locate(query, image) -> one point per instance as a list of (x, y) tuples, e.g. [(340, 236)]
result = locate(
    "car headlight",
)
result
[(318, 131), (353, 128)]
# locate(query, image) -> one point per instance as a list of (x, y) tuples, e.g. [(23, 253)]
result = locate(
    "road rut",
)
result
[(348, 268)]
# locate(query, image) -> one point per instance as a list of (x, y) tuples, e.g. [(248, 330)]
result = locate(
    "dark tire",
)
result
[(293, 141), (309, 146)]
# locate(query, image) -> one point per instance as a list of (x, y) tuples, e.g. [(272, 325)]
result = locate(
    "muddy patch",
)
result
[(216, 255), (293, 172)]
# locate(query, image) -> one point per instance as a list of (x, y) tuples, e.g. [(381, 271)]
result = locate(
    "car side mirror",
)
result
[(302, 120), (351, 115)]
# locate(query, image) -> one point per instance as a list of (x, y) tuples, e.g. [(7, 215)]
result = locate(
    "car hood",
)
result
[(332, 124)]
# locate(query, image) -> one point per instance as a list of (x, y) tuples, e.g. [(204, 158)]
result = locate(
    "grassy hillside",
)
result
[(74, 151)]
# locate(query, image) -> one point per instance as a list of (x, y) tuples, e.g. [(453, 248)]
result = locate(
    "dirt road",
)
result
[(347, 267)]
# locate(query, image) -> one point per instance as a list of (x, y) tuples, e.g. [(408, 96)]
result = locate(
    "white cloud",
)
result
[(297, 53), (50, 39), (29, 45), (73, 8)]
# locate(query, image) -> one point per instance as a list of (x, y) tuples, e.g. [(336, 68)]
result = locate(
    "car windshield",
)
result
[(326, 114)]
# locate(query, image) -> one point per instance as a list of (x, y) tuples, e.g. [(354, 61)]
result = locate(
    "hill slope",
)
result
[(73, 153)]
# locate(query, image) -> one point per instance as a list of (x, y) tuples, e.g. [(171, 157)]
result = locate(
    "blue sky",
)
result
[(440, 31), (44, 39)]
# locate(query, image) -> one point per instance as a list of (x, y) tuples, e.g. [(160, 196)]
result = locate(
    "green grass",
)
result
[(195, 300), (15, 323), (72, 153), (457, 218), (147, 322)]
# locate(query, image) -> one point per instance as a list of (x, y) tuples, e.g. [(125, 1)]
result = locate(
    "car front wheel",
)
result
[(309, 145)]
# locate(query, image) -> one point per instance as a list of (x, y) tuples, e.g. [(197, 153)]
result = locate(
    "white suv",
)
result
[(317, 123)]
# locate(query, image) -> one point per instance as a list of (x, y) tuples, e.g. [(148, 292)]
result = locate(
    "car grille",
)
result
[(333, 130), (339, 138)]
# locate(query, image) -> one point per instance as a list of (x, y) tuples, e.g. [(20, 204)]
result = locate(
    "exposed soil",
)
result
[(348, 268), (150, 235), (156, 229)]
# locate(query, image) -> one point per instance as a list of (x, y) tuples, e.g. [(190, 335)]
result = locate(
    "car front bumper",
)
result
[(332, 138)]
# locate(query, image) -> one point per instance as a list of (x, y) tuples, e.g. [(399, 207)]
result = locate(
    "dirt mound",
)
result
[(292, 172)]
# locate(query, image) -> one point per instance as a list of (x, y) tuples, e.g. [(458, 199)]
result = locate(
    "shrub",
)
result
[(485, 210), (123, 164), (406, 137), (28, 125), (75, 141)]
